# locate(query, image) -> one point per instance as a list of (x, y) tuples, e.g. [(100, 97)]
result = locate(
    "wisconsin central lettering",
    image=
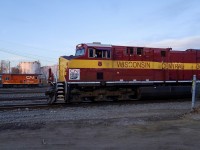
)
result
[(134, 64), (176, 66)]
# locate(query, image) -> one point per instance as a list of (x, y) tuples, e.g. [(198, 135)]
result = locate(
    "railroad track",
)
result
[(42, 104), (23, 98), (19, 98), (22, 90), (22, 93), (29, 106)]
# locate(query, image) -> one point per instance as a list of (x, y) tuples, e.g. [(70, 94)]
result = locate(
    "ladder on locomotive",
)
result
[(59, 94), (60, 91)]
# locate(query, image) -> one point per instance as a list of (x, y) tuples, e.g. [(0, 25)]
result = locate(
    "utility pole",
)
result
[(193, 92)]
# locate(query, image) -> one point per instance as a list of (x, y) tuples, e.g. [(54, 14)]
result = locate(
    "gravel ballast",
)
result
[(168, 125), (150, 110)]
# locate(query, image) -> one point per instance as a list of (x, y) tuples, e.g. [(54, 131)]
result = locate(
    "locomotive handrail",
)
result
[(56, 80)]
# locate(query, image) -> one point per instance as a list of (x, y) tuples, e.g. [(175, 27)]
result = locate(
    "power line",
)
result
[(26, 55), (24, 45)]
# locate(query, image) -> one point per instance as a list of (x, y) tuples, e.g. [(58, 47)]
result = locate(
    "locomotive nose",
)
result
[(63, 67)]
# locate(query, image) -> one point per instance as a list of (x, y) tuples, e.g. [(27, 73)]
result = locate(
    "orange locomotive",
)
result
[(109, 72), (19, 80)]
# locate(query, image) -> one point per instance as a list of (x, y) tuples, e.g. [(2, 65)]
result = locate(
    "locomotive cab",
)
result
[(91, 62)]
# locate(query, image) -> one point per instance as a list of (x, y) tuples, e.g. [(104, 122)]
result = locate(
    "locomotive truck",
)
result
[(100, 72)]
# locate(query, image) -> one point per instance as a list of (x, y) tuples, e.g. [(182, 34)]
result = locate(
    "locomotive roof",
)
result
[(98, 44)]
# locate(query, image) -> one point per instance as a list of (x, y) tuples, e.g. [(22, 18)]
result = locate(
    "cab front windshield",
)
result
[(80, 52)]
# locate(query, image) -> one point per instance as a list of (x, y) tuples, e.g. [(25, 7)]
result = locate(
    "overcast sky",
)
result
[(46, 29)]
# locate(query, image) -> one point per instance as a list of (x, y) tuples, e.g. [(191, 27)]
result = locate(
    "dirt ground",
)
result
[(171, 132)]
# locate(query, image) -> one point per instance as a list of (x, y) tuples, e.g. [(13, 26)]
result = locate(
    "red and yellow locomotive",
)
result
[(109, 72)]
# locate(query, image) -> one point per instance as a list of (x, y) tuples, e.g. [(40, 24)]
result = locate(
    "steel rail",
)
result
[(29, 106), (84, 104)]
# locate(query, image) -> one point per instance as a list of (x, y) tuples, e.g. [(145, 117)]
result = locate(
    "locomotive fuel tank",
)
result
[(165, 92)]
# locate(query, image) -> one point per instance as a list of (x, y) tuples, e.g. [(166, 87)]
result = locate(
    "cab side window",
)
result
[(106, 54), (97, 53), (91, 52)]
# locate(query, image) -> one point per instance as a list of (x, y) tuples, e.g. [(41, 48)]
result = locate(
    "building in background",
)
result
[(30, 67), (45, 71), (5, 66)]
